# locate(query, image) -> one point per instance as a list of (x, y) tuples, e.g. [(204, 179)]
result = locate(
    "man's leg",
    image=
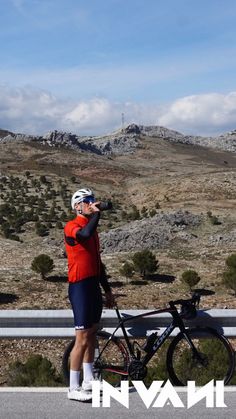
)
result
[(84, 347), (89, 357), (84, 342)]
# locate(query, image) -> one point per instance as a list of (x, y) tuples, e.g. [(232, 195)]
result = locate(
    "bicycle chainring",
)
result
[(136, 370)]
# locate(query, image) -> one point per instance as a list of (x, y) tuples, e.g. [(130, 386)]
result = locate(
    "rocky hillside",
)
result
[(225, 142), (123, 141), (152, 233)]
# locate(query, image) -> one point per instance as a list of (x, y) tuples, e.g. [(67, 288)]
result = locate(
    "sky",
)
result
[(78, 65)]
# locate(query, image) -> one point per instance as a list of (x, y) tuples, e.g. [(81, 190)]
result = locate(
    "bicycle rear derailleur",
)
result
[(136, 370)]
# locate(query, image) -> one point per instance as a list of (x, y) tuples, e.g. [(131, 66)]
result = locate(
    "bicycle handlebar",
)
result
[(195, 300)]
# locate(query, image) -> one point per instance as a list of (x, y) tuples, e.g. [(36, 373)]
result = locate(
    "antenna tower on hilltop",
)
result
[(122, 120)]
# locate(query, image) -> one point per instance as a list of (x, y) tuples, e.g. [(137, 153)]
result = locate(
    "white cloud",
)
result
[(203, 114), (36, 111)]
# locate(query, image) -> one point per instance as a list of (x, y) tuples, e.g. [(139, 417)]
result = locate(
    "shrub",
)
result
[(152, 212), (127, 270), (42, 264), (6, 229), (231, 261), (190, 278), (36, 371), (214, 220), (41, 229), (43, 179), (134, 215), (59, 225), (145, 262), (229, 279), (229, 276)]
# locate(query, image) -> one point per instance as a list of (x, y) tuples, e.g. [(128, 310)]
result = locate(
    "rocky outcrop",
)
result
[(120, 142), (224, 238), (123, 141), (152, 233), (226, 142)]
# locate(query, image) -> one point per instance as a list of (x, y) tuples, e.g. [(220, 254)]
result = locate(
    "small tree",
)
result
[(214, 220), (229, 279), (42, 264), (229, 276), (152, 212), (43, 179), (41, 229), (59, 225), (145, 262), (190, 278), (231, 261), (127, 270)]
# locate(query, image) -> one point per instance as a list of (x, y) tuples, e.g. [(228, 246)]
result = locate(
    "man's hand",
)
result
[(94, 206), (110, 300)]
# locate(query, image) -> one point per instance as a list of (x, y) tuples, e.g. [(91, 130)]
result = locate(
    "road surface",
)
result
[(41, 403)]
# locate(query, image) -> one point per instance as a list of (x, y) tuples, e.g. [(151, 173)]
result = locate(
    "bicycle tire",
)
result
[(113, 365), (217, 358)]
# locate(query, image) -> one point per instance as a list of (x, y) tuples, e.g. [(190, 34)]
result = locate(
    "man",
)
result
[(85, 272)]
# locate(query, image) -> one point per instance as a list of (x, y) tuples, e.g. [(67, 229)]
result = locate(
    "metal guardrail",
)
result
[(59, 323)]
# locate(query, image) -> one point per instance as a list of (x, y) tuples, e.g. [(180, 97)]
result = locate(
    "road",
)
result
[(53, 404)]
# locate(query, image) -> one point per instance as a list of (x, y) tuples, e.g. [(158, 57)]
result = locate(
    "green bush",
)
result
[(190, 278), (134, 215), (229, 276), (127, 270), (35, 372), (41, 229), (59, 225), (43, 179), (145, 262), (152, 212), (231, 261), (229, 279), (214, 220), (42, 264)]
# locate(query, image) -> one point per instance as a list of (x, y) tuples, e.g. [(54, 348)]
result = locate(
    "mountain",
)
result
[(122, 141), (169, 193)]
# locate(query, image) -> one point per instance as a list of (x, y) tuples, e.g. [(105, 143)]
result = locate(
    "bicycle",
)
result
[(199, 354)]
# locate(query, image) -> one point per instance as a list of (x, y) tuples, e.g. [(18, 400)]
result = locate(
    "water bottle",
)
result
[(149, 342)]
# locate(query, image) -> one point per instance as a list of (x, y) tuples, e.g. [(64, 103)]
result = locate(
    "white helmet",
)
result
[(80, 195)]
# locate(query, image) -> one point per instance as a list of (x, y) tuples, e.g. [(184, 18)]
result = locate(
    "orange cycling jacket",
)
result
[(83, 256)]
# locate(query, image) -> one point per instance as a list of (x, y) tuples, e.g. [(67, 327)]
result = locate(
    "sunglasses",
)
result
[(89, 199)]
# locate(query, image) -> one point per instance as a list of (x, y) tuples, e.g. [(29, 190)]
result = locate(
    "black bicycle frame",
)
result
[(177, 322)]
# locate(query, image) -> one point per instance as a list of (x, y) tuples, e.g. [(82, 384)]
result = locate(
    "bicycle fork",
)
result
[(196, 355)]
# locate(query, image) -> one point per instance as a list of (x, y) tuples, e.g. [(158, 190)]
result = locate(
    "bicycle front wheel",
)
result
[(204, 356), (110, 362)]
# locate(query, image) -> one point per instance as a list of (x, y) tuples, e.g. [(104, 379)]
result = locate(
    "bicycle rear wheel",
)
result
[(110, 365), (214, 359)]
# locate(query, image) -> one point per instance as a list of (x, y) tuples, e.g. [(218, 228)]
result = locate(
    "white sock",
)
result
[(74, 379), (88, 371)]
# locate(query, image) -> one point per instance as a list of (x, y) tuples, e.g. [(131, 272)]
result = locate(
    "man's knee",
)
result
[(83, 337)]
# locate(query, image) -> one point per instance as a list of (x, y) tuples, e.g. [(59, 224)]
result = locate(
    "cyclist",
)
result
[(85, 273)]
